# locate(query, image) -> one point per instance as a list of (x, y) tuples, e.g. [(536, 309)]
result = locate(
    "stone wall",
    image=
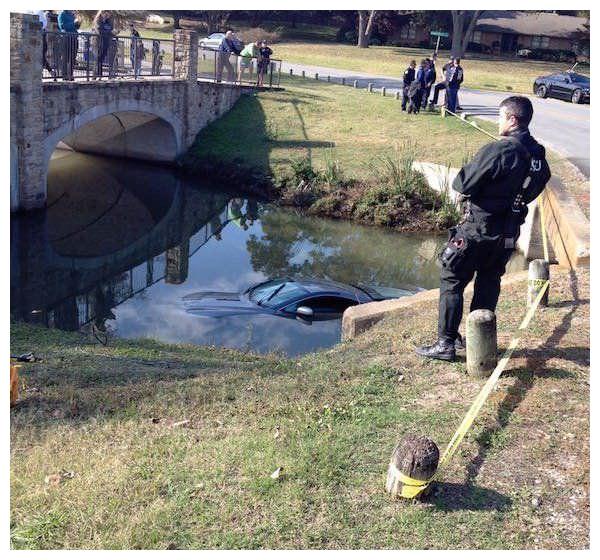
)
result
[(154, 119)]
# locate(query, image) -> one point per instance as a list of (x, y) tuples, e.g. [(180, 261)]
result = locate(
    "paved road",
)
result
[(559, 125)]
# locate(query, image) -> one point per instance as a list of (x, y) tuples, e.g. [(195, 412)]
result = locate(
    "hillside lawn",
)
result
[(106, 418), (331, 123)]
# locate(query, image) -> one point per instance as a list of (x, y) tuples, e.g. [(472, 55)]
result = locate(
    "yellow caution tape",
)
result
[(411, 487)]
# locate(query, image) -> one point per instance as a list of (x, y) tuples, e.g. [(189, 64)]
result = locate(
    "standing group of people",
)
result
[(417, 84), (256, 50), (101, 45)]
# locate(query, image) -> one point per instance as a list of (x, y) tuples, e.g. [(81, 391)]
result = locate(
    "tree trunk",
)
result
[(365, 27), (460, 35)]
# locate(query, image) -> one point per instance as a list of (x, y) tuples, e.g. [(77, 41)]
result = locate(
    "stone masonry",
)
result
[(154, 119)]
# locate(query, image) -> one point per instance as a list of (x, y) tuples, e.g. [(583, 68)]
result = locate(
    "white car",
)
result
[(213, 41)]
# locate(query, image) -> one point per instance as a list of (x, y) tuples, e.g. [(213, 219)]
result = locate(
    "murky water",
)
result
[(122, 243)]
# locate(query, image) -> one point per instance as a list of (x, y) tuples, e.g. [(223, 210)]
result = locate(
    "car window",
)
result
[(289, 292), (322, 305), (579, 79)]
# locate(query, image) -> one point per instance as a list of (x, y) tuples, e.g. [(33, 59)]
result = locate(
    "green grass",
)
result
[(323, 122), (330, 419), (495, 73)]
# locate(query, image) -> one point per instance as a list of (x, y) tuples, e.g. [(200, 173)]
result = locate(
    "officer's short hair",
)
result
[(519, 107), (413, 62)]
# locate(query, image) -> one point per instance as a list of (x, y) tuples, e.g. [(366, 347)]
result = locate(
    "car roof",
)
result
[(317, 285)]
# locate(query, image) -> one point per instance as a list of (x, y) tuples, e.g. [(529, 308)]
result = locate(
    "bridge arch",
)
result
[(127, 128)]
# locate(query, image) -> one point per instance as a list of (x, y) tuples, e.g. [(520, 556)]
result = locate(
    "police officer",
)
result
[(454, 77), (430, 76), (498, 183), (415, 90), (408, 78), (441, 86)]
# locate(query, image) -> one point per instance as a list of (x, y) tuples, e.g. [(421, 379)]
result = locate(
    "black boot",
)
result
[(441, 350), (459, 343)]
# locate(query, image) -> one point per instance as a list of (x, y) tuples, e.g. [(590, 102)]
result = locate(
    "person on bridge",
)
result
[(136, 50), (69, 26), (103, 26), (497, 185), (246, 59), (408, 78), (264, 62), (226, 49)]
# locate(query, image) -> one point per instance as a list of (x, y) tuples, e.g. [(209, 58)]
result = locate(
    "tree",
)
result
[(365, 27), (463, 24)]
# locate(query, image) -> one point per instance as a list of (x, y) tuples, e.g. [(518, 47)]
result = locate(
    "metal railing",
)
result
[(225, 67), (87, 56)]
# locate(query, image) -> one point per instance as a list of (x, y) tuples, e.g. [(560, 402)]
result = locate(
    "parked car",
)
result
[(212, 41), (564, 85), (308, 299)]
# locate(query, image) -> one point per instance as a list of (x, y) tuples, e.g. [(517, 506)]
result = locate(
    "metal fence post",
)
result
[(87, 57)]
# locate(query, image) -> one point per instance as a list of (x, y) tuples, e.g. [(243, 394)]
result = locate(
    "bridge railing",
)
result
[(88, 56), (225, 67)]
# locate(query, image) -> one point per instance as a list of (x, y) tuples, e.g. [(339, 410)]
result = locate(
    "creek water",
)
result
[(122, 244)]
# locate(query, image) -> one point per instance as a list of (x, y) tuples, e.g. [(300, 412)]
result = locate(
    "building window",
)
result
[(540, 42), (408, 31), (476, 38)]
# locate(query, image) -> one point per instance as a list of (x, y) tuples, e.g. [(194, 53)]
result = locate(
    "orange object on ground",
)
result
[(14, 383)]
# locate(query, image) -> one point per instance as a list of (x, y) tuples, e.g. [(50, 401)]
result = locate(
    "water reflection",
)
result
[(123, 243)]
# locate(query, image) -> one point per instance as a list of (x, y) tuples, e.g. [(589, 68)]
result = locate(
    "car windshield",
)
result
[(264, 290), (286, 293)]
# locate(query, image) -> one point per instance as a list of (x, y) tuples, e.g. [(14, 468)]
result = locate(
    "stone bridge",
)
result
[(155, 120)]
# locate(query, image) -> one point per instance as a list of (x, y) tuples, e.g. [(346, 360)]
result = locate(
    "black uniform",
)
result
[(409, 78), (484, 241)]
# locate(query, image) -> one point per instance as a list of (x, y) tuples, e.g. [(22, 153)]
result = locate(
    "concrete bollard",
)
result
[(383, 92), (397, 96), (316, 75), (343, 81), (443, 111), (482, 342), (370, 87), (329, 78), (355, 83), (291, 71), (303, 74), (539, 272)]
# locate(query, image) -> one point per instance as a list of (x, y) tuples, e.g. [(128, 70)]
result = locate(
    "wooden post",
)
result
[(329, 78), (370, 87), (291, 71), (383, 92), (343, 81), (482, 342), (14, 383), (443, 111), (539, 272), (316, 75), (397, 96), (303, 74), (416, 457)]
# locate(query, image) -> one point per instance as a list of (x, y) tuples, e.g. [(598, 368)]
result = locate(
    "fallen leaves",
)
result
[(56, 478), (276, 474)]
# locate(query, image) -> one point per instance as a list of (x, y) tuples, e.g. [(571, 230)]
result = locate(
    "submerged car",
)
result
[(309, 299), (564, 85)]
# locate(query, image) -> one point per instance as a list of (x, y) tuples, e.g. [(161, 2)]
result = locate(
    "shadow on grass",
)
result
[(450, 496), (525, 378)]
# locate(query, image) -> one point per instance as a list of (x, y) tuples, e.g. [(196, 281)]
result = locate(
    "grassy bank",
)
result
[(132, 477), (331, 129)]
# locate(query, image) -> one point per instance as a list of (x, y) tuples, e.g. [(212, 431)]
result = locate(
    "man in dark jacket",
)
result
[(454, 78), (497, 192), (430, 75), (227, 47), (415, 90), (441, 86), (408, 78)]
